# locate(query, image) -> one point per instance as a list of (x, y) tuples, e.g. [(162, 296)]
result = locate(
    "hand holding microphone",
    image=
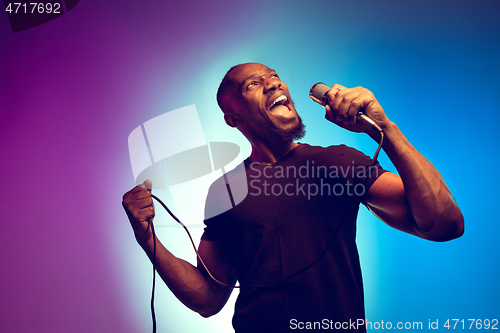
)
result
[(345, 106)]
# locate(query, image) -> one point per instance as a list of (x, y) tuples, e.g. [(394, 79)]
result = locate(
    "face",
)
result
[(265, 106)]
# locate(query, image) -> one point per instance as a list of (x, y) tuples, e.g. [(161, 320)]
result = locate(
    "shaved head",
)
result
[(225, 93)]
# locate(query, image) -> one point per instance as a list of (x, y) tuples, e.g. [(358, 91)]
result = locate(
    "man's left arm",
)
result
[(418, 201)]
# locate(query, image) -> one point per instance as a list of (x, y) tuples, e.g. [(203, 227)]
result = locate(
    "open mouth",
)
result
[(280, 100)]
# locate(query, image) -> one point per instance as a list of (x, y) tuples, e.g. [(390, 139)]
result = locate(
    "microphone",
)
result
[(318, 94)]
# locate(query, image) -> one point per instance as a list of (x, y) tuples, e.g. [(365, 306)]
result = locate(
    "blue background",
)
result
[(72, 90)]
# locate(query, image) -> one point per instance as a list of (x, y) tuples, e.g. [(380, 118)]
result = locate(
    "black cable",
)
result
[(153, 315), (375, 156)]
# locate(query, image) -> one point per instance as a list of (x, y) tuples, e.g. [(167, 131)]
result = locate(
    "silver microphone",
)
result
[(318, 94)]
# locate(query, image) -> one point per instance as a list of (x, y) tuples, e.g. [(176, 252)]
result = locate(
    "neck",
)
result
[(270, 152)]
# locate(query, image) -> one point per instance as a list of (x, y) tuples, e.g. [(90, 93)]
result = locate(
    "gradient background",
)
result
[(72, 90)]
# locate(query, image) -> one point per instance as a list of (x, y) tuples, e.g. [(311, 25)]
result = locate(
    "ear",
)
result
[(231, 119)]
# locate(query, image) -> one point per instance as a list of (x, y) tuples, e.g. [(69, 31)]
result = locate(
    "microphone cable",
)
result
[(375, 156), (153, 315)]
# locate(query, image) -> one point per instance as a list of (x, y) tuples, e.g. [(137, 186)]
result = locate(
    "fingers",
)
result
[(139, 192), (345, 103), (138, 203), (331, 116), (331, 107)]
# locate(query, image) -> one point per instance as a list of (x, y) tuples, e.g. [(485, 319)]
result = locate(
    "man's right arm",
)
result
[(190, 284)]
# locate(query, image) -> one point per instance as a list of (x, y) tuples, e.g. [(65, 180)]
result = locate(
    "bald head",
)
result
[(229, 89), (226, 91)]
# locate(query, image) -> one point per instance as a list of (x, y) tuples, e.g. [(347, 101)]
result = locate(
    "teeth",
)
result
[(279, 99)]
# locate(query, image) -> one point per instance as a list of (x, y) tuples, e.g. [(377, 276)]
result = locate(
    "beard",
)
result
[(287, 136), (273, 131)]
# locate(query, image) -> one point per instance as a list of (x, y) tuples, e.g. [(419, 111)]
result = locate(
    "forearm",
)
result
[(185, 281), (435, 213)]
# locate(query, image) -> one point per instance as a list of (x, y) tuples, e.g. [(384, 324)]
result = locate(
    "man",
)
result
[(293, 252)]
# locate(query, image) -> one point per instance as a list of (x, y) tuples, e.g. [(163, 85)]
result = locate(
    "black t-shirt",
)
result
[(292, 227)]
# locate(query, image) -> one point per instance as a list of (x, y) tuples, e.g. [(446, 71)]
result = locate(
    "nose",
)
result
[(271, 84)]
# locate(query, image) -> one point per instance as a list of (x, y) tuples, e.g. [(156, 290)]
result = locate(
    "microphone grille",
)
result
[(318, 93)]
